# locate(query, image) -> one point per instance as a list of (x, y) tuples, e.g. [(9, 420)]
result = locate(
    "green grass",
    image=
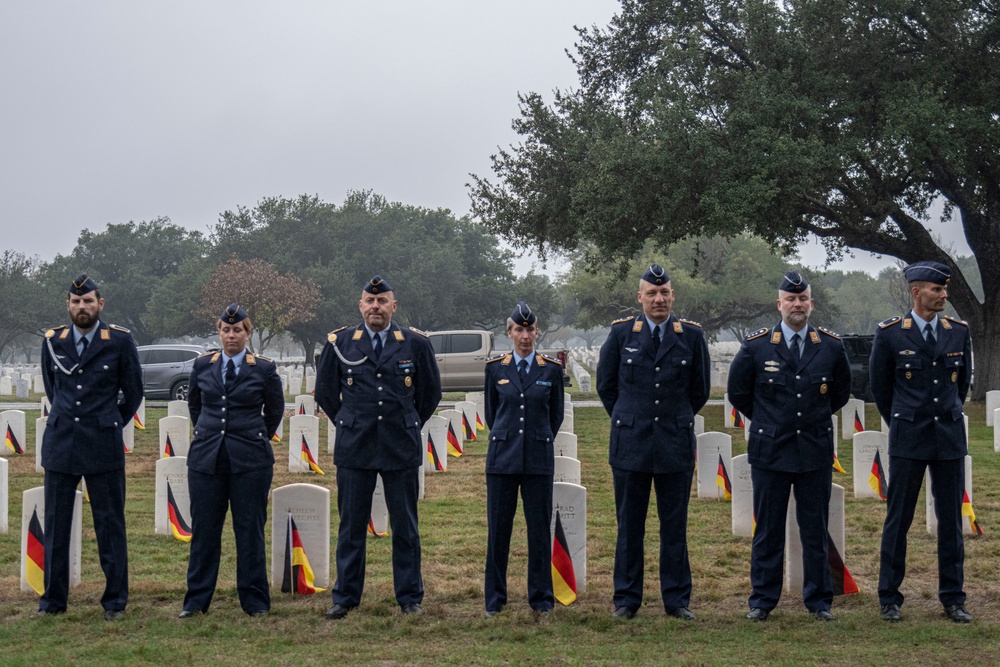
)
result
[(453, 631)]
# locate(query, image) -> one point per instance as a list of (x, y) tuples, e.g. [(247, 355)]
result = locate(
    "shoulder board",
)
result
[(496, 358), (757, 334), (418, 331), (694, 324), (889, 322), (952, 319), (624, 319), (829, 333), (207, 354), (118, 328), (332, 336), (52, 332), (550, 359)]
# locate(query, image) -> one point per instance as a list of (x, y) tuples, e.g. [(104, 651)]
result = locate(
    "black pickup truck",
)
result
[(859, 349)]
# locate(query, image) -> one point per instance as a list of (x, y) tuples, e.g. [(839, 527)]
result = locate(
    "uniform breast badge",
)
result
[(823, 388), (408, 381)]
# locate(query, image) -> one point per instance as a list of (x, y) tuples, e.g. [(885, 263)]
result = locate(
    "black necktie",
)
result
[(930, 335), (230, 374), (656, 337), (522, 367), (83, 346), (378, 346), (796, 348)]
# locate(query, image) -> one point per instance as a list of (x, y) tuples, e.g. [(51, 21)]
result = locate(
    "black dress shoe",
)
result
[(957, 613), (49, 612), (490, 613), (623, 612), (259, 613), (540, 614), (337, 612), (825, 615), (683, 613), (890, 612), (412, 608), (758, 614), (114, 614), (190, 613)]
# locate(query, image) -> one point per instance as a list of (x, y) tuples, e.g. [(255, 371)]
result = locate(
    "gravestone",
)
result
[(885, 427), (565, 444), (309, 506), (710, 447), (285, 384), (793, 540), (732, 417), (139, 419), (479, 398), (4, 496), (128, 437), (21, 388), (834, 421), (39, 384), (742, 510), (40, 424), (699, 424), (992, 403), (295, 384), (178, 430), (303, 435), (866, 444), (567, 425), (455, 440), (468, 410), (571, 501), (310, 383), (331, 437), (13, 432), (715, 379), (996, 432), (171, 473), (421, 474), (932, 523), (852, 416), (178, 409), (378, 522), (34, 502), (279, 433), (566, 470), (6, 385), (305, 404), (434, 436)]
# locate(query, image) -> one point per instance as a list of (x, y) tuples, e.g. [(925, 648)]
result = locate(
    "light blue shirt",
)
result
[(530, 359), (922, 324), (237, 362), (789, 332), (78, 337), (383, 334), (662, 326)]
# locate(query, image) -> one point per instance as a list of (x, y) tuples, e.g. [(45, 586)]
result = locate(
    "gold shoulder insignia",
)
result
[(65, 332), (105, 334), (215, 357), (418, 331), (398, 335), (889, 322), (52, 332), (250, 359), (624, 319), (694, 324), (550, 359), (332, 336), (118, 328), (507, 358), (757, 334), (496, 358), (956, 321), (540, 360), (357, 334), (829, 333)]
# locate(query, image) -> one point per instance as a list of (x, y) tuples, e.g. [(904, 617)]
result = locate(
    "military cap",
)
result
[(523, 315), (377, 286), (82, 285), (655, 275), (793, 282), (233, 314), (932, 272)]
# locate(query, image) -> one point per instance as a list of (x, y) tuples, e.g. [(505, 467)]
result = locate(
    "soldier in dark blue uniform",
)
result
[(653, 377), (85, 365), (236, 404), (524, 409), (378, 384), (789, 380), (921, 368)]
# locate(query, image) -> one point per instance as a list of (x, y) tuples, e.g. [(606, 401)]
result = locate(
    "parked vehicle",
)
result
[(461, 357), (859, 349), (166, 370)]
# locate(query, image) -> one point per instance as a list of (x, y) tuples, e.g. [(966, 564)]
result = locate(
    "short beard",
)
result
[(797, 319), (83, 320)]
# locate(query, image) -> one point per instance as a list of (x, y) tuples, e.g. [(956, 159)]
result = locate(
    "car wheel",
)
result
[(179, 391)]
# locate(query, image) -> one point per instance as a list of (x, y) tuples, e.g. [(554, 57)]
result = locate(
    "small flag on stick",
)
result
[(11, 441), (969, 512), (298, 575), (454, 446), (722, 480), (307, 455), (876, 479), (563, 574), (34, 561), (178, 526)]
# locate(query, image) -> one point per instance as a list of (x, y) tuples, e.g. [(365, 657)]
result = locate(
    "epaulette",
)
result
[(332, 336), (952, 319), (889, 322), (119, 328), (418, 331), (829, 333), (548, 358), (52, 332), (694, 324), (207, 354), (261, 358), (496, 358), (757, 334), (624, 319)]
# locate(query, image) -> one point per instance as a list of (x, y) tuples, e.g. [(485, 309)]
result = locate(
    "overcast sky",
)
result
[(135, 109)]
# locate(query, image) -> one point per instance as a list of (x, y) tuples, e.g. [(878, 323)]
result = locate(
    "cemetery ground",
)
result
[(453, 629)]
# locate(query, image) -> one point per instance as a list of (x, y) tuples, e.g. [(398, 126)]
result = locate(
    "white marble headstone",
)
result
[(6, 385), (331, 437), (305, 404), (434, 436), (173, 472), (479, 398), (992, 403), (128, 436), (855, 408), (39, 384), (571, 501), (178, 409), (732, 417), (711, 446), (996, 431), (178, 429), (565, 444), (40, 424), (793, 540), (742, 510), (4, 496), (14, 420), (699, 424), (309, 505), (454, 418), (468, 410), (866, 444), (34, 501), (303, 429), (378, 523), (566, 470), (140, 415), (310, 382), (568, 425)]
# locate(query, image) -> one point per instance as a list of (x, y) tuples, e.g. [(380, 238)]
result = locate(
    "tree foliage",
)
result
[(844, 119), (22, 309)]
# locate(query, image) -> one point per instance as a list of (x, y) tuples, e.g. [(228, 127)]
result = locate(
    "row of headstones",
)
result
[(21, 386), (993, 416), (581, 374)]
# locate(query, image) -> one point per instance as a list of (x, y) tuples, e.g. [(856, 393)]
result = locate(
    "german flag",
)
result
[(968, 511), (479, 422), (371, 528), (275, 437), (298, 575), (722, 480), (432, 455), (138, 422), (454, 446), (11, 442), (308, 456), (178, 526), (753, 523), (45, 410), (168, 448), (858, 426), (876, 479), (470, 433), (563, 574), (737, 419), (34, 562), (836, 464), (302, 408), (843, 582)]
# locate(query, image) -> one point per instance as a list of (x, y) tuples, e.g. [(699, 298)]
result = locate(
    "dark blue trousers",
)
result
[(107, 503), (354, 505), (771, 489), (501, 505), (211, 496), (632, 503), (948, 484)]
